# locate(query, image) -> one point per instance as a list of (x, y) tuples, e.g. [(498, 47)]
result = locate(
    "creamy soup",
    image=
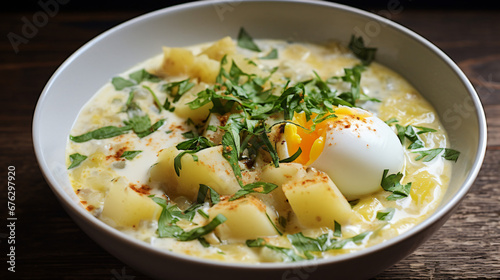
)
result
[(245, 150)]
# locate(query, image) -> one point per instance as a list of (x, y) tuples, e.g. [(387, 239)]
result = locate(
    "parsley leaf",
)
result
[(190, 146), (120, 83), (142, 75), (289, 254), (245, 41), (101, 133), (129, 155), (200, 231), (76, 159), (428, 155), (392, 184), (386, 215), (251, 188), (273, 54), (365, 54), (230, 153)]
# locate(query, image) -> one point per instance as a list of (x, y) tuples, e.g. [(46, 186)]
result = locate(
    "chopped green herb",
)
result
[(202, 213), (142, 75), (391, 121), (245, 41), (337, 230), (274, 225), (292, 157), (428, 155), (129, 155), (120, 83), (200, 231), (354, 202), (365, 54), (392, 184), (273, 54), (155, 98), (289, 254), (190, 146), (251, 188), (76, 159), (386, 215), (101, 133)]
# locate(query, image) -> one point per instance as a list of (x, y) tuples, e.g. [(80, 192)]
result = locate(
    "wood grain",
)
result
[(51, 246)]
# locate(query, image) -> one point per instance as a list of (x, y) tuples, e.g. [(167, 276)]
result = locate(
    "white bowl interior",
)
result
[(427, 68)]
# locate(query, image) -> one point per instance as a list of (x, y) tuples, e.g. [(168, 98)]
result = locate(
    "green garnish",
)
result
[(76, 159), (251, 188), (392, 184), (289, 254), (155, 98), (171, 214), (386, 215), (191, 146), (200, 231), (120, 83), (130, 155), (273, 54), (245, 41), (365, 54), (428, 155), (101, 133), (136, 78)]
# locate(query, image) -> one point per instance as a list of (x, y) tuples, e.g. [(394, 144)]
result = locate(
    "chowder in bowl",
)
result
[(141, 39)]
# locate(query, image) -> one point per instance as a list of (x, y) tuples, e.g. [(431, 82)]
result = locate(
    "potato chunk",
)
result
[(125, 207), (285, 173), (182, 62), (316, 200), (220, 48), (210, 168), (246, 219)]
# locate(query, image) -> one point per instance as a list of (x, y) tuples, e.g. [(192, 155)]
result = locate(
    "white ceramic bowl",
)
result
[(420, 62)]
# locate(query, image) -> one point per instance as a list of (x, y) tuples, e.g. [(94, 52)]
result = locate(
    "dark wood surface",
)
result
[(50, 246)]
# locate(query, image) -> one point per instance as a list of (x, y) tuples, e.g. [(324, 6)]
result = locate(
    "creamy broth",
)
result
[(373, 218)]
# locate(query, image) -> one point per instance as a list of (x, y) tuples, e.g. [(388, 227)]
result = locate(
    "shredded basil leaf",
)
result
[(130, 155), (392, 184), (76, 159), (386, 215), (428, 155), (245, 41), (251, 188), (365, 54), (101, 133), (200, 231), (273, 54)]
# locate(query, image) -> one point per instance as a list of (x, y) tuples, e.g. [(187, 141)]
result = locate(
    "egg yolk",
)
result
[(312, 142)]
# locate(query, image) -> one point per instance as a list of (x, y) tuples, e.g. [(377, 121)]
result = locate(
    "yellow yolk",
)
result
[(313, 142)]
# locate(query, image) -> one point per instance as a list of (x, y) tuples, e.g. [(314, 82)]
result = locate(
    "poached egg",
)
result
[(354, 147)]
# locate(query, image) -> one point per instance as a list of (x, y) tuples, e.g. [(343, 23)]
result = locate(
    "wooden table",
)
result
[(51, 246)]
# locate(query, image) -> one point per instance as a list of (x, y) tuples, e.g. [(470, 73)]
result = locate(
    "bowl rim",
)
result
[(101, 226)]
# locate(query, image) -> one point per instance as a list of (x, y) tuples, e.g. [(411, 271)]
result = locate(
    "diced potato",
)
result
[(183, 110), (179, 61), (316, 200), (125, 207), (211, 169), (285, 173), (212, 131), (217, 50), (246, 219)]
